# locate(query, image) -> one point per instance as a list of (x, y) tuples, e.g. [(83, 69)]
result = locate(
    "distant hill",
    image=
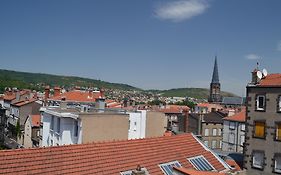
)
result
[(199, 93), (22, 80)]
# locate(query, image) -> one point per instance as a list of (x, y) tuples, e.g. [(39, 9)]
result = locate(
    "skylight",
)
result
[(200, 163), (167, 168)]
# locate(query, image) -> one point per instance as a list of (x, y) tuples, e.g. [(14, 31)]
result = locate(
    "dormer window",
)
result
[(167, 168), (260, 103)]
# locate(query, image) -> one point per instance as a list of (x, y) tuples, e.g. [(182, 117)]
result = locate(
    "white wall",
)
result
[(137, 124), (238, 132), (66, 134)]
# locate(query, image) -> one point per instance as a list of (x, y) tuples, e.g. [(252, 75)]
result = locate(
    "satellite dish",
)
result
[(259, 74), (264, 72)]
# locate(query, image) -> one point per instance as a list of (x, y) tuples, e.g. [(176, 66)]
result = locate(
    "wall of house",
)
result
[(27, 142), (104, 127), (235, 145), (156, 124), (53, 137), (137, 124), (268, 145), (211, 137)]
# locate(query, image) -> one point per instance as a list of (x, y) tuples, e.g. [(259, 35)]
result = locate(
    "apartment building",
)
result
[(262, 153), (66, 125), (234, 132)]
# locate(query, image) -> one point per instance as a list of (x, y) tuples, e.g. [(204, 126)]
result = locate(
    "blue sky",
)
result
[(149, 44)]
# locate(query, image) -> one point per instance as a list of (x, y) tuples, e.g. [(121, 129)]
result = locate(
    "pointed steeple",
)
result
[(215, 78)]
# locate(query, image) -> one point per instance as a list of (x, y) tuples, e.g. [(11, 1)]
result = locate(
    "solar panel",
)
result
[(200, 163), (167, 168)]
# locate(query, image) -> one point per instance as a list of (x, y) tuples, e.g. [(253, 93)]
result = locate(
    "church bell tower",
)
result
[(215, 87)]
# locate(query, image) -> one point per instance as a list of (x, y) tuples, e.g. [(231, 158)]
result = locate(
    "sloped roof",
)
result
[(107, 157), (196, 172), (213, 117), (239, 117), (174, 109), (271, 80), (232, 101), (23, 102), (78, 96), (215, 77)]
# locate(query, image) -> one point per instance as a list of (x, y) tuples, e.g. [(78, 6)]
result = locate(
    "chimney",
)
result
[(138, 171), (102, 93), (56, 91), (90, 95), (18, 95)]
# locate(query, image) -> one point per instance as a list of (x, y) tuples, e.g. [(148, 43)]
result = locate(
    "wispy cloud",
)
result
[(180, 10), (252, 57), (279, 46)]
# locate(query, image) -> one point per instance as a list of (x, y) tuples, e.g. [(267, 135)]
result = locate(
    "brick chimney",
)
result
[(47, 92), (56, 91)]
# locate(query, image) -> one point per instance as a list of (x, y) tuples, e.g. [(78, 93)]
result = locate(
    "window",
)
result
[(231, 138), (58, 125), (214, 132), (201, 164), (259, 129), (206, 132), (242, 139), (214, 144), (277, 163), (75, 128), (260, 102), (52, 123), (242, 127), (231, 125), (278, 131), (167, 168), (220, 132), (206, 142), (279, 104), (220, 144), (258, 159)]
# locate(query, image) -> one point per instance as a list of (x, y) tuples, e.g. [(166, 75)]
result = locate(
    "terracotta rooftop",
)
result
[(174, 109), (196, 172), (107, 157), (23, 102), (239, 117), (36, 119), (271, 80), (78, 96)]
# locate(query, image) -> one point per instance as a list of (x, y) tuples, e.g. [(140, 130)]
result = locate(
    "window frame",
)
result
[(216, 132), (76, 128), (168, 165), (263, 109), (254, 129), (195, 166), (206, 129), (278, 106), (231, 133), (262, 161), (274, 163), (276, 132), (243, 126), (230, 126), (214, 144)]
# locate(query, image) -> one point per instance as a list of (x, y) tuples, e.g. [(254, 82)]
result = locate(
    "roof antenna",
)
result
[(257, 65)]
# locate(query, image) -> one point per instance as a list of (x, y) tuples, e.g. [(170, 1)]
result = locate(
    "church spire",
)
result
[(215, 78)]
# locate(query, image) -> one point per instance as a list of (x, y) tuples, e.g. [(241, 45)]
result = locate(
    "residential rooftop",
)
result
[(109, 157)]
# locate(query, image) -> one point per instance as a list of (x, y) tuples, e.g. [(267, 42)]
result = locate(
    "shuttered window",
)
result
[(278, 131), (259, 129)]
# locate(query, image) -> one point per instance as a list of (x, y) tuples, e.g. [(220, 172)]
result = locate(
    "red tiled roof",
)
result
[(12, 95), (233, 164), (196, 172), (175, 109), (239, 117), (23, 102), (271, 80), (107, 157), (78, 96), (36, 119)]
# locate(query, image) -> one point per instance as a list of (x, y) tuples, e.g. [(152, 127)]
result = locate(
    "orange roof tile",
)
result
[(196, 172), (23, 102), (271, 80), (233, 164), (239, 117), (78, 96), (106, 157), (36, 119)]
